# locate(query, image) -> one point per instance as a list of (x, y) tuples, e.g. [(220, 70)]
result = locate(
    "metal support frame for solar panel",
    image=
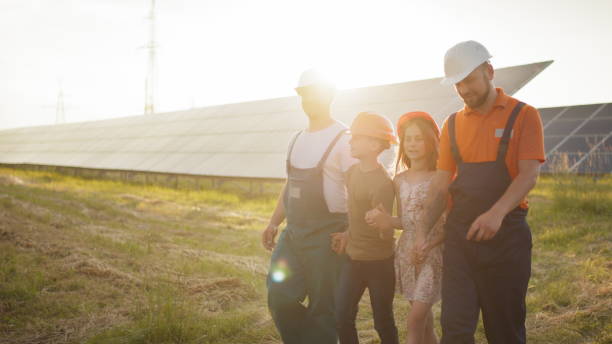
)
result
[(555, 117), (255, 186), (571, 134), (593, 149)]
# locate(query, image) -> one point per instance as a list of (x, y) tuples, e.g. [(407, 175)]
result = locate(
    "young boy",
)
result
[(369, 252)]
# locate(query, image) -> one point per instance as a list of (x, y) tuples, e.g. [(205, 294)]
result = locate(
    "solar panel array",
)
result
[(246, 140), (578, 138)]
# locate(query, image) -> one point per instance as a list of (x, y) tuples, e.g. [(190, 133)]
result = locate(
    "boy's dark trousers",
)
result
[(355, 276)]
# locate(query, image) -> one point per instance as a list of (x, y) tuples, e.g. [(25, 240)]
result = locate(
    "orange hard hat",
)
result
[(417, 114), (373, 125)]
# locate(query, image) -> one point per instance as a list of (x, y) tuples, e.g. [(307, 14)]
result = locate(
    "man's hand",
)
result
[(485, 226), (339, 241), (379, 218), (268, 237)]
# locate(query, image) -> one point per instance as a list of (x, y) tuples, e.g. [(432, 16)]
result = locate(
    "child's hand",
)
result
[(379, 218), (419, 253), (371, 215), (418, 249), (339, 241)]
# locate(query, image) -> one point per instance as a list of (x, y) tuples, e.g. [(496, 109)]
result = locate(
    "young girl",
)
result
[(418, 273)]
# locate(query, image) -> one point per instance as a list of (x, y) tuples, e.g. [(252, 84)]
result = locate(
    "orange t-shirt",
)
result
[(478, 136)]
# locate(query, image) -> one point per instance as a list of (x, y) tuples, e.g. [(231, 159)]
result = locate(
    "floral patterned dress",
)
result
[(417, 283)]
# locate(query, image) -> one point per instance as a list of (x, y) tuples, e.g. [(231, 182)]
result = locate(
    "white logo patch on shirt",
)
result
[(500, 132)]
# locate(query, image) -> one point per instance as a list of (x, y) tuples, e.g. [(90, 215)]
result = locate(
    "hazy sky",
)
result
[(222, 51)]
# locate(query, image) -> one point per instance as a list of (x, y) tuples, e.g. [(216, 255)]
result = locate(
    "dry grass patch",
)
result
[(95, 261)]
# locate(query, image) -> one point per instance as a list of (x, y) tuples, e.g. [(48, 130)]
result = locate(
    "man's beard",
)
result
[(480, 100)]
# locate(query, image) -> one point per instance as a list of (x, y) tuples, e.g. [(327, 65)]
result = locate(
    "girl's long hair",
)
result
[(432, 142)]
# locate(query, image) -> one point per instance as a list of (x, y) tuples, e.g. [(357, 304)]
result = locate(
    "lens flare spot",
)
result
[(280, 271), (278, 276)]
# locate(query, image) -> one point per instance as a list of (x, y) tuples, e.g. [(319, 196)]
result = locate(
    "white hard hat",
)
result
[(312, 77), (462, 59)]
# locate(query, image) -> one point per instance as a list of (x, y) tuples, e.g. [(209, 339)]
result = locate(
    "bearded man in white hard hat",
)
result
[(494, 147), (313, 201)]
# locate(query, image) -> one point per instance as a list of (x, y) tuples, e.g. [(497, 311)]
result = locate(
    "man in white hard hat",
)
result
[(494, 146), (314, 203)]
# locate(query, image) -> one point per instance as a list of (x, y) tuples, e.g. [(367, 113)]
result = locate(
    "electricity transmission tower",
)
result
[(151, 79), (60, 114)]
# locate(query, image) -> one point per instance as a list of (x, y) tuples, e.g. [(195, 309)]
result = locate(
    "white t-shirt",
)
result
[(308, 151)]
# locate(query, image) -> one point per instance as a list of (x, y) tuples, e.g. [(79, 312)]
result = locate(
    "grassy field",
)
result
[(96, 261)]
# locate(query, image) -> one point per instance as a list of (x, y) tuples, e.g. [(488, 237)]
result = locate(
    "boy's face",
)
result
[(414, 143), (364, 146)]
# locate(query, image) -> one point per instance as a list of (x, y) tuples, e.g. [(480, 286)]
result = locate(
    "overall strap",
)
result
[(329, 149), (288, 161), (505, 140), (453, 140)]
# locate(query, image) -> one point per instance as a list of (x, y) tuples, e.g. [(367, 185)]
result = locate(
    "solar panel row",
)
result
[(577, 138), (249, 139)]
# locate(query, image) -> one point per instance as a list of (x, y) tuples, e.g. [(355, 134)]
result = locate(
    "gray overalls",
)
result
[(491, 275), (303, 264)]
